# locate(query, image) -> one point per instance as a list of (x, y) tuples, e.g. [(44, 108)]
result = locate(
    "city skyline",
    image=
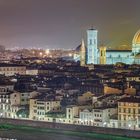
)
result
[(69, 69), (63, 23)]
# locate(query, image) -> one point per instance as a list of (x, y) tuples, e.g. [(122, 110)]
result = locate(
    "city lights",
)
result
[(47, 52), (70, 70), (41, 54), (70, 54)]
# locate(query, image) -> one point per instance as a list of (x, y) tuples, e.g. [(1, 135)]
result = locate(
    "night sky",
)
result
[(63, 23)]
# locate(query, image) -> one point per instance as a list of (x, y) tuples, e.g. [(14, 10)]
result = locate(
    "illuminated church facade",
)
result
[(91, 54)]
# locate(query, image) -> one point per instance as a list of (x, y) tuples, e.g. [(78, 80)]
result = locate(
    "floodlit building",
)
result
[(92, 51), (102, 55), (97, 116), (40, 106), (10, 104), (12, 69), (129, 113)]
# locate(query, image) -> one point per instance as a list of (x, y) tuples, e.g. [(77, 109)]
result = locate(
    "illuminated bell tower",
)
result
[(92, 51), (102, 55), (82, 54)]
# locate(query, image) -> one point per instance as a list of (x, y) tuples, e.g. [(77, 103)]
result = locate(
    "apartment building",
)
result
[(40, 105), (12, 69), (97, 116), (129, 113)]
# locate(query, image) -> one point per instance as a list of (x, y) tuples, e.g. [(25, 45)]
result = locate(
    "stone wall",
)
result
[(70, 127)]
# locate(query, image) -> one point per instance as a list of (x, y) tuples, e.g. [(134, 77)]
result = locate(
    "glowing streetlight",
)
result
[(70, 54), (47, 51), (33, 52), (129, 125), (104, 124), (41, 54)]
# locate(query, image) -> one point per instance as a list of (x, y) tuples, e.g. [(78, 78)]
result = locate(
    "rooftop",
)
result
[(119, 50), (131, 99), (10, 65)]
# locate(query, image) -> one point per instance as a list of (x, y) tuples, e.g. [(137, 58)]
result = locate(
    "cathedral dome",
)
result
[(136, 39), (136, 43)]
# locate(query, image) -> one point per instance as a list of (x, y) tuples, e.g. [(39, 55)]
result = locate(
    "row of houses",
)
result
[(116, 111)]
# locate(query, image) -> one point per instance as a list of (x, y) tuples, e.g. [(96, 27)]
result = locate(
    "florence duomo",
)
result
[(91, 53), (70, 70)]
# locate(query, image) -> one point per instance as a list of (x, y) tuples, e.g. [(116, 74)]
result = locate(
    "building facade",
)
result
[(40, 107), (12, 69), (92, 51), (129, 113), (97, 116), (102, 55)]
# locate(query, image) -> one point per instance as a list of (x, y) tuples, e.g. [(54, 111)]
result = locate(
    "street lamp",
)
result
[(41, 54), (20, 116), (104, 124), (47, 51), (129, 125), (1, 114), (70, 54)]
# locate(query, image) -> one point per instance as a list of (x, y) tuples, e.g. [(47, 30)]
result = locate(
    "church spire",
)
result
[(83, 43), (82, 53)]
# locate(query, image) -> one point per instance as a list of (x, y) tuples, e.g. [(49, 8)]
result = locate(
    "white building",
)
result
[(92, 51), (129, 113), (102, 55), (97, 117), (12, 69)]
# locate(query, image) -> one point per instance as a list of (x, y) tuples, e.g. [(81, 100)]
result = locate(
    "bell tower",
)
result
[(92, 50)]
